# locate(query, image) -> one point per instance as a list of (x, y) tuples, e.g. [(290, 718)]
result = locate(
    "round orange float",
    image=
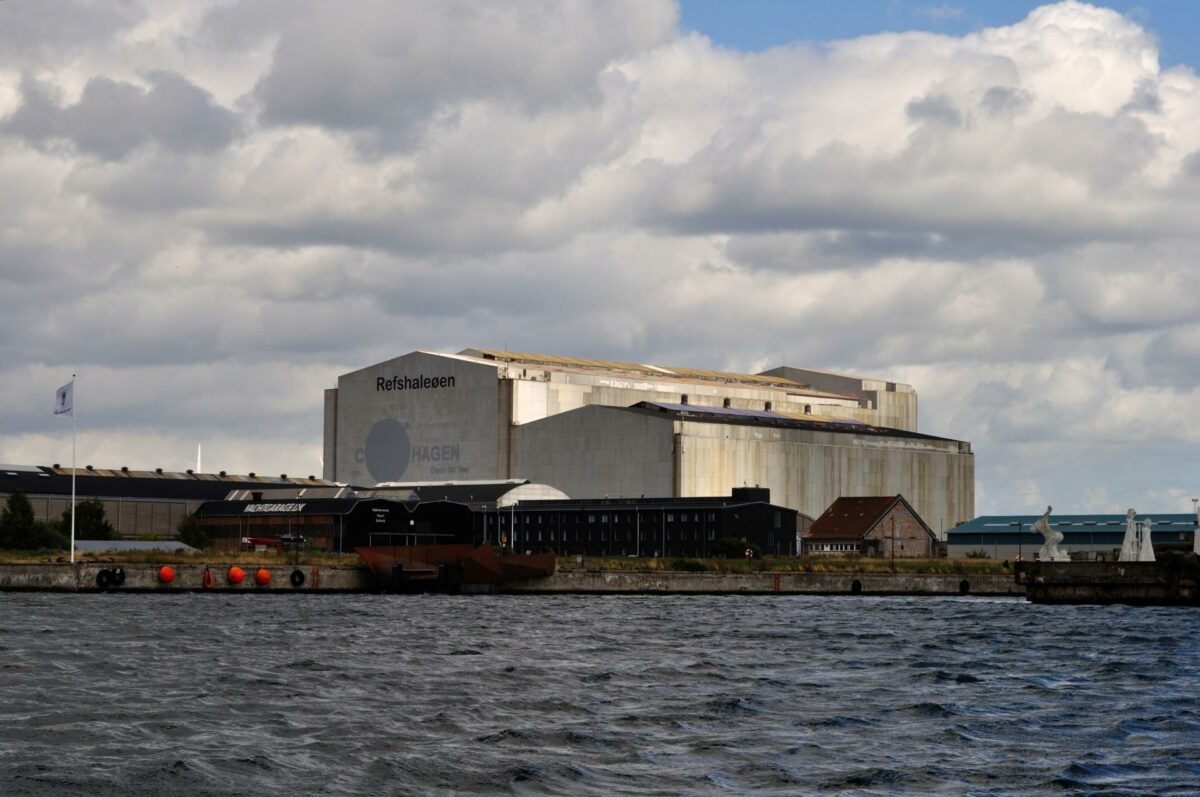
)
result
[(236, 575), (166, 574), (262, 577)]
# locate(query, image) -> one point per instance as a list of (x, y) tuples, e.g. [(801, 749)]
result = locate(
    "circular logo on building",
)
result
[(387, 450)]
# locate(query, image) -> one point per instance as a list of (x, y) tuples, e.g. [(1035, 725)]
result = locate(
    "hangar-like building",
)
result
[(595, 428)]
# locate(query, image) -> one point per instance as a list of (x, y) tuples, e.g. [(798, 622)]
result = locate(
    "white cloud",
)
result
[(219, 207)]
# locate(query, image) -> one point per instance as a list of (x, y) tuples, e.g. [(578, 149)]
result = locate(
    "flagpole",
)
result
[(73, 426)]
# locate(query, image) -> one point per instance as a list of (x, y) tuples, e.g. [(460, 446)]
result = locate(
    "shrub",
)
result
[(734, 548), (688, 566), (190, 533)]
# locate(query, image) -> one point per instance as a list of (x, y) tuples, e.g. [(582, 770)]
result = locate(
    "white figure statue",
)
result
[(1129, 545), (1050, 552), (1196, 533), (1146, 552)]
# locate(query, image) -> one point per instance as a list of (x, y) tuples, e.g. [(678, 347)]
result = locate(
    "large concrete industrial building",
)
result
[(595, 428)]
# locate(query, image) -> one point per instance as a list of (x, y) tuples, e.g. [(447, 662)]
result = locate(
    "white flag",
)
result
[(63, 399)]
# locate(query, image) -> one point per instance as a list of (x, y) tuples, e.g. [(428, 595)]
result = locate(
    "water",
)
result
[(395, 695)]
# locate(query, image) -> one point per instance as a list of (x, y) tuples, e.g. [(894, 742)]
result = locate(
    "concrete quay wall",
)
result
[(82, 577), (767, 583)]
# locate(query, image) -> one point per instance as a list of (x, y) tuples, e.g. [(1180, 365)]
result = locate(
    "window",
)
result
[(778, 519), (591, 518), (671, 517)]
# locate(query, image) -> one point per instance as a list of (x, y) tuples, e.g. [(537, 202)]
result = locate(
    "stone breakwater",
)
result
[(140, 577)]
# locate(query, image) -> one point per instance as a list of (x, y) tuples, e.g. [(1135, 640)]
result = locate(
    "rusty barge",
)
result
[(451, 568)]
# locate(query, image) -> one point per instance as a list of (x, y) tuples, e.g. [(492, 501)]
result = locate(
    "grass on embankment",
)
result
[(202, 557), (782, 564)]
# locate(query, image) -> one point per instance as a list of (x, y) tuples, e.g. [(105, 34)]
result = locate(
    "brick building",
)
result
[(870, 526)]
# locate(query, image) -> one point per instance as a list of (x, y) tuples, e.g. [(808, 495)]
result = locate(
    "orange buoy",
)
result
[(262, 577), (166, 574), (208, 579), (236, 575)]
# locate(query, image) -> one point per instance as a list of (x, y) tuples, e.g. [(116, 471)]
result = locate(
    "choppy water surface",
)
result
[(210, 694)]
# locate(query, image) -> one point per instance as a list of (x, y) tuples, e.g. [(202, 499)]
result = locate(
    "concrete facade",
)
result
[(483, 414)]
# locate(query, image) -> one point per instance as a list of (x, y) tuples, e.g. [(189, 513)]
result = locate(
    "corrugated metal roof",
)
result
[(110, 483), (702, 414), (1169, 521), (528, 358)]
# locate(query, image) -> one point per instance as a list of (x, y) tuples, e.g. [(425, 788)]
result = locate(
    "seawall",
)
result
[(605, 582), (85, 577)]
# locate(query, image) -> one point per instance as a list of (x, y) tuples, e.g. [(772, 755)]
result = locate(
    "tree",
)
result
[(16, 520), (90, 522), (190, 533), (733, 548), (19, 529)]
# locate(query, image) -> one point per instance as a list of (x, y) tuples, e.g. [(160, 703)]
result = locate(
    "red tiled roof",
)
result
[(851, 518)]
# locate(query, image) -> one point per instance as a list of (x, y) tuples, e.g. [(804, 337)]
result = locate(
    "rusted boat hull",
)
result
[(450, 568)]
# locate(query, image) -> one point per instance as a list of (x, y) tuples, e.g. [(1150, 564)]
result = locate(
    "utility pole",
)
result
[(893, 541)]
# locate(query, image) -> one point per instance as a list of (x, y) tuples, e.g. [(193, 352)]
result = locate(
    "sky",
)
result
[(213, 209)]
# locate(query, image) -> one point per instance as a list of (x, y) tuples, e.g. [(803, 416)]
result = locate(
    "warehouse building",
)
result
[(138, 503), (1011, 537), (594, 428)]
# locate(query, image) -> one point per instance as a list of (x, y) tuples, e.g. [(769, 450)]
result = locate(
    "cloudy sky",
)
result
[(212, 209)]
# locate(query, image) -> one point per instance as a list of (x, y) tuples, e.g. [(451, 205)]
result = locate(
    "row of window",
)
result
[(618, 535), (618, 517), (505, 518)]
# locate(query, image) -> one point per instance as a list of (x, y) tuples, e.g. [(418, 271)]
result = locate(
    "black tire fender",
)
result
[(297, 578), (118, 576), (104, 579)]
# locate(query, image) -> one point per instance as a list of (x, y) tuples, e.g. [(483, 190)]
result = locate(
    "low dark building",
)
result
[(870, 526), (335, 523), (602, 527), (646, 526)]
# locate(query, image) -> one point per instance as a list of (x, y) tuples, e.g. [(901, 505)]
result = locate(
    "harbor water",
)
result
[(397, 695)]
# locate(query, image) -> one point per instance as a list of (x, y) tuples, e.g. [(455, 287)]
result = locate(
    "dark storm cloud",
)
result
[(114, 118), (35, 29)]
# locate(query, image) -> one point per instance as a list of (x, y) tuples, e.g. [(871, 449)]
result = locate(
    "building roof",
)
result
[(853, 518), (125, 483), (653, 371), (463, 492), (1162, 521), (701, 414)]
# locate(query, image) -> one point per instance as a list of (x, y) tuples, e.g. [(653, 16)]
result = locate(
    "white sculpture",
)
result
[(1146, 552), (1196, 533), (1050, 552), (1129, 545)]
